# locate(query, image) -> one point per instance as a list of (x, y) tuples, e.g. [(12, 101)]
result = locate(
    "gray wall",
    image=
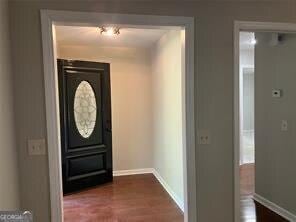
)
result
[(275, 151), (9, 184), (214, 89)]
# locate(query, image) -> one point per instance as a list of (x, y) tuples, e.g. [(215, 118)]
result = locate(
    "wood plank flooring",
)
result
[(134, 198), (141, 198), (247, 179), (251, 211)]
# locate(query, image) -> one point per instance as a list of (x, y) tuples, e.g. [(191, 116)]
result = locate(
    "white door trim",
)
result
[(246, 26), (49, 19)]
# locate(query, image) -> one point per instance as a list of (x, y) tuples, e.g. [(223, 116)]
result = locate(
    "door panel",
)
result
[(86, 164), (85, 114)]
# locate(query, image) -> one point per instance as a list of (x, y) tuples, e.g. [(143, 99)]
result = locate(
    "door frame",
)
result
[(50, 18), (252, 27)]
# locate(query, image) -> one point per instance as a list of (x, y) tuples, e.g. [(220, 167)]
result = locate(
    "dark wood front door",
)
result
[(85, 114)]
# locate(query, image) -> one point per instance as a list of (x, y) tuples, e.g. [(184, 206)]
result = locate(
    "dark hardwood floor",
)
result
[(141, 198), (138, 198), (251, 211)]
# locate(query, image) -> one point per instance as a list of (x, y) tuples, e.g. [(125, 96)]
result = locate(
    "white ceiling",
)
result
[(245, 40), (128, 37), (90, 36)]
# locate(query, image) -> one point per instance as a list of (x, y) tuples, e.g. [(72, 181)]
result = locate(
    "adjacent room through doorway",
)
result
[(247, 128), (266, 106), (121, 109)]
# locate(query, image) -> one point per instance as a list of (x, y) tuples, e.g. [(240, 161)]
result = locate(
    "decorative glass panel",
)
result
[(85, 109)]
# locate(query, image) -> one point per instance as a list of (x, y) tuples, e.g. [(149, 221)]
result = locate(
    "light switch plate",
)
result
[(204, 137), (284, 125), (36, 147)]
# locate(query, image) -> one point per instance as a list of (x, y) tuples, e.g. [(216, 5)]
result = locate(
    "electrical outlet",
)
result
[(276, 93), (204, 137), (36, 147)]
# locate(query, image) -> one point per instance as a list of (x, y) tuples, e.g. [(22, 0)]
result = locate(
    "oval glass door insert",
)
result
[(85, 109)]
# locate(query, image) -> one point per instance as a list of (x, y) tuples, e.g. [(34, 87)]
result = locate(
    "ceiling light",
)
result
[(109, 31)]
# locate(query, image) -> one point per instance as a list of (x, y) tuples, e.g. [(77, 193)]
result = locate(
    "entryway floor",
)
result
[(126, 199)]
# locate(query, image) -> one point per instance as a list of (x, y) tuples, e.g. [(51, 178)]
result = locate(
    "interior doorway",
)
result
[(120, 93), (258, 197), (52, 19), (247, 130)]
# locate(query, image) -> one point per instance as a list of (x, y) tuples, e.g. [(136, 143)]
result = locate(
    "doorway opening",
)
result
[(129, 83), (51, 21), (260, 83), (247, 130)]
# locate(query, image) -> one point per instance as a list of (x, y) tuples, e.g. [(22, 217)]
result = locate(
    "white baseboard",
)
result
[(132, 172), (275, 208), (158, 177), (173, 195)]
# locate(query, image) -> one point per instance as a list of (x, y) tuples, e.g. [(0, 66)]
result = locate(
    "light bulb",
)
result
[(109, 31)]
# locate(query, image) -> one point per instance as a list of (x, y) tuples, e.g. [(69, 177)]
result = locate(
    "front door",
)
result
[(85, 116)]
